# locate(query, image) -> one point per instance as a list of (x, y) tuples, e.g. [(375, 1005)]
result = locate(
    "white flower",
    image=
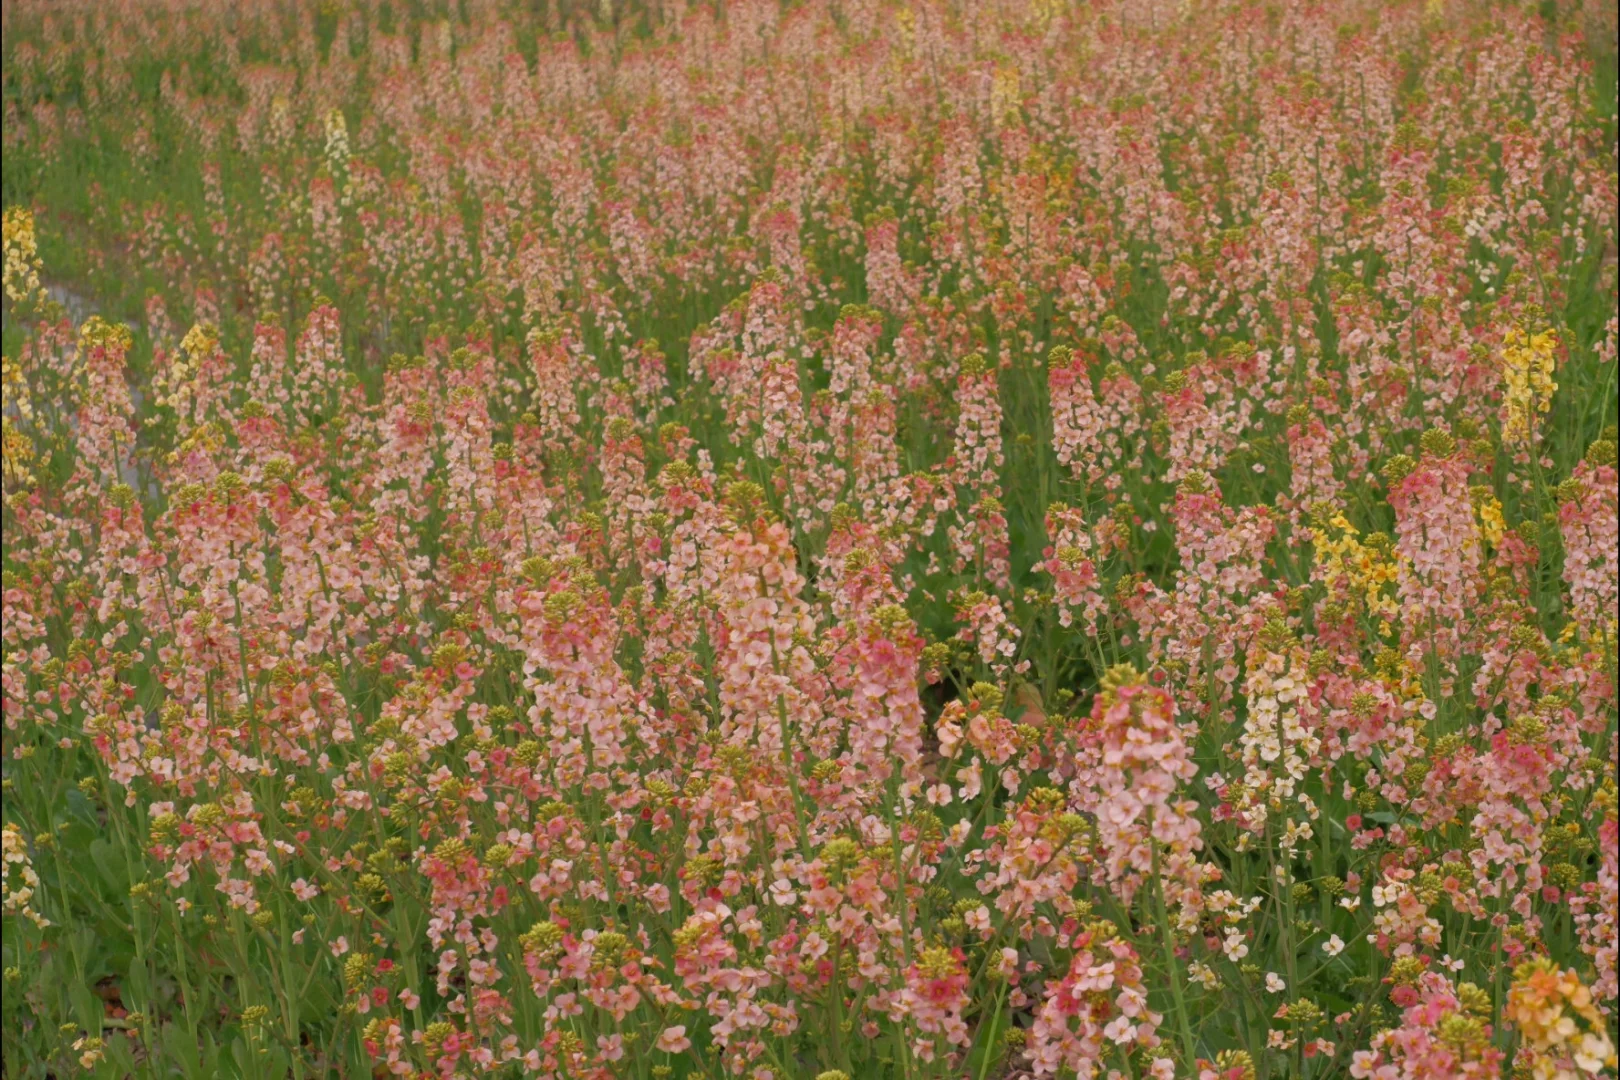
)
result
[(1120, 1030), (1388, 894), (1333, 946), (1593, 1052), (1274, 983)]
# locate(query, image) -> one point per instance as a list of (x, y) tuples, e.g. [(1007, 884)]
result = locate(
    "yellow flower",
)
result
[(1528, 363), (201, 340), (1492, 525), (337, 140), (16, 455), (1004, 97), (905, 22), (1545, 1002), (22, 256), (20, 884), (1363, 568)]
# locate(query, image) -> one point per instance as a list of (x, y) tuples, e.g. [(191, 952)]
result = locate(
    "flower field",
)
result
[(810, 540)]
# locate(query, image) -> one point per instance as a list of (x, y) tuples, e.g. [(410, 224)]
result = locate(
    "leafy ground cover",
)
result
[(837, 539)]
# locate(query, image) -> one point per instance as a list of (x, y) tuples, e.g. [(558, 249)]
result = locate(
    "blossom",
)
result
[(1528, 365), (1559, 1021), (21, 882), (1117, 500)]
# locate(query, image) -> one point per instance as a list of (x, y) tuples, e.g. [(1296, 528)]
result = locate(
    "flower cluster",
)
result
[(871, 541)]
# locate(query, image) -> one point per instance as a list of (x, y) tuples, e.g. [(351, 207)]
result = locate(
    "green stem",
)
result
[(1189, 1045)]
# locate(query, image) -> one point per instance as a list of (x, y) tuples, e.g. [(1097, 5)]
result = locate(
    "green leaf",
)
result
[(109, 863), (182, 1049)]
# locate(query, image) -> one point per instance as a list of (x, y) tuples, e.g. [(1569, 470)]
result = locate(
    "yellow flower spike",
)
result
[(22, 263), (1528, 364)]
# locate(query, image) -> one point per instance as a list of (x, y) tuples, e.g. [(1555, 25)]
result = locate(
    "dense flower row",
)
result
[(834, 540)]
